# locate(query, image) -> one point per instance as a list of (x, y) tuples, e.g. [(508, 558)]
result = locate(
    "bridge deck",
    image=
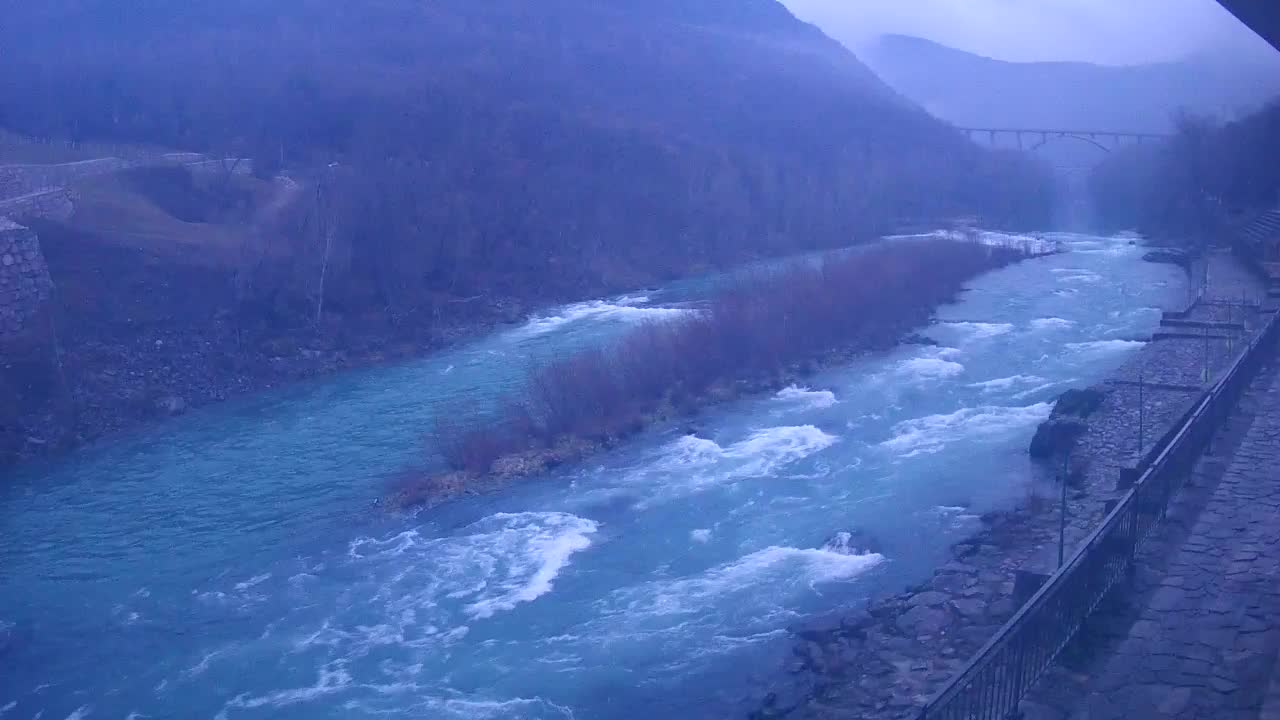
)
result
[(1199, 633)]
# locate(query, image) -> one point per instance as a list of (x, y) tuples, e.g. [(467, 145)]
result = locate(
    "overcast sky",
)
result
[(1104, 31)]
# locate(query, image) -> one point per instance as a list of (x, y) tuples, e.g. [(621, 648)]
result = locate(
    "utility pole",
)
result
[(1206, 355), (1062, 524), (1142, 409)]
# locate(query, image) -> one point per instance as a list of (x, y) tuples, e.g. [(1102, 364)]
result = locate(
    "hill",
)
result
[(615, 140), (427, 167), (971, 90)]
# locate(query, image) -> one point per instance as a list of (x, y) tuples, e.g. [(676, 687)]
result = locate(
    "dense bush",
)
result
[(863, 299)]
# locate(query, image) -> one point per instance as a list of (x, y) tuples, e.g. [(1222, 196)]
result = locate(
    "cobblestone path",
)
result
[(1200, 633)]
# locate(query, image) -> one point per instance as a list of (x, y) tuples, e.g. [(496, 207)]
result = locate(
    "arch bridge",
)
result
[(1036, 138)]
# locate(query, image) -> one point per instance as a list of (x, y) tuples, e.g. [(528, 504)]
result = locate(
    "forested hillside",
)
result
[(481, 144), (425, 169), (1193, 186)]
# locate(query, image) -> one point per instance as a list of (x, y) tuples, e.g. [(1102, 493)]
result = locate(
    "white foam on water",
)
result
[(981, 330), (932, 433), (1038, 389), (457, 708), (253, 581), (758, 455), (332, 678), (418, 592), (1105, 346), (765, 450), (207, 661), (929, 368), (701, 535), (625, 309), (1076, 275), (815, 399), (536, 559), (773, 568), (1112, 247), (80, 713), (1052, 323), (492, 566), (4, 709), (1006, 383)]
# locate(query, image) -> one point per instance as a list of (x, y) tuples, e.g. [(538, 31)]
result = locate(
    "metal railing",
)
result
[(995, 680)]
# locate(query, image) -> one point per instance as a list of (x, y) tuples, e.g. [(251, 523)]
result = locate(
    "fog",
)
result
[(1102, 31)]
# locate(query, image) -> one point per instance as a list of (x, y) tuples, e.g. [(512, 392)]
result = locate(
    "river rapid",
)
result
[(233, 564)]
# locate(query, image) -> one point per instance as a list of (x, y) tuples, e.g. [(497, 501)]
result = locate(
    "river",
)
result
[(232, 564)]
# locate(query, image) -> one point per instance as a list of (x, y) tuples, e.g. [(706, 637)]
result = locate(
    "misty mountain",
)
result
[(976, 91), (482, 143)]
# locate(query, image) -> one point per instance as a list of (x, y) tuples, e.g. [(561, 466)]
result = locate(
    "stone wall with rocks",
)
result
[(234, 166), (25, 284), (11, 182), (55, 204), (18, 180)]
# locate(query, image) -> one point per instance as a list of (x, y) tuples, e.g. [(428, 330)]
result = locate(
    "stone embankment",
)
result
[(886, 660), (24, 278)]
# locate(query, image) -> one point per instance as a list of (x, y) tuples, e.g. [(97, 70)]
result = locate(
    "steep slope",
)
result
[(972, 90)]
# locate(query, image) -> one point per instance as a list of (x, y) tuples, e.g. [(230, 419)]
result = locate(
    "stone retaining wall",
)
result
[(16, 180), (25, 284), (55, 204)]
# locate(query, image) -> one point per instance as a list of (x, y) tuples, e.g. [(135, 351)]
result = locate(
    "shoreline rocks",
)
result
[(1068, 421)]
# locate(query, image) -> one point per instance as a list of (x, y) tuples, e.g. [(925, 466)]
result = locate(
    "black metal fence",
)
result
[(991, 685)]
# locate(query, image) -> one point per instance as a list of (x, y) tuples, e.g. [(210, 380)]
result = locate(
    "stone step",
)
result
[(1206, 324), (1189, 336)]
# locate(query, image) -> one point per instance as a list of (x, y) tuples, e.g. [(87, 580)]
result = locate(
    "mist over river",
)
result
[(231, 563)]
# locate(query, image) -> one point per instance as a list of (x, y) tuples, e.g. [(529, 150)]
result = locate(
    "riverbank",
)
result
[(887, 659), (764, 333), (144, 338)]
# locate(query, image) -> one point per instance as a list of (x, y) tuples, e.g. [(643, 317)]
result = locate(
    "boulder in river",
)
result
[(171, 405), (852, 542), (1173, 256), (1057, 435)]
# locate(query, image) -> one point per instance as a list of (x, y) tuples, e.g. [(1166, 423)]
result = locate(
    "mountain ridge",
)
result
[(974, 90)]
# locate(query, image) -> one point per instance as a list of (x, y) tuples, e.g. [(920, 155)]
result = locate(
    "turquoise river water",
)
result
[(232, 563)]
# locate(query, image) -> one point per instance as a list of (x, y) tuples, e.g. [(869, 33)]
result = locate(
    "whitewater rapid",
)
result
[(232, 565)]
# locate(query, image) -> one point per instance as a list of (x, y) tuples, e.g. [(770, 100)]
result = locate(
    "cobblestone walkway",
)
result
[(1202, 640)]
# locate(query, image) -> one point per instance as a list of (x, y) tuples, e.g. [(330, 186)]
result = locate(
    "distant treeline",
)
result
[(557, 148), (861, 300), (1188, 188)]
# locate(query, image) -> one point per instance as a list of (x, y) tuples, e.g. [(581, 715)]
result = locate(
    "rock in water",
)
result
[(851, 542), (171, 405), (1057, 435), (1172, 256), (1078, 403)]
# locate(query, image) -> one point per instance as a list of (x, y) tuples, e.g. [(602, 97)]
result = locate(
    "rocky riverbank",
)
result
[(887, 659), (140, 339)]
